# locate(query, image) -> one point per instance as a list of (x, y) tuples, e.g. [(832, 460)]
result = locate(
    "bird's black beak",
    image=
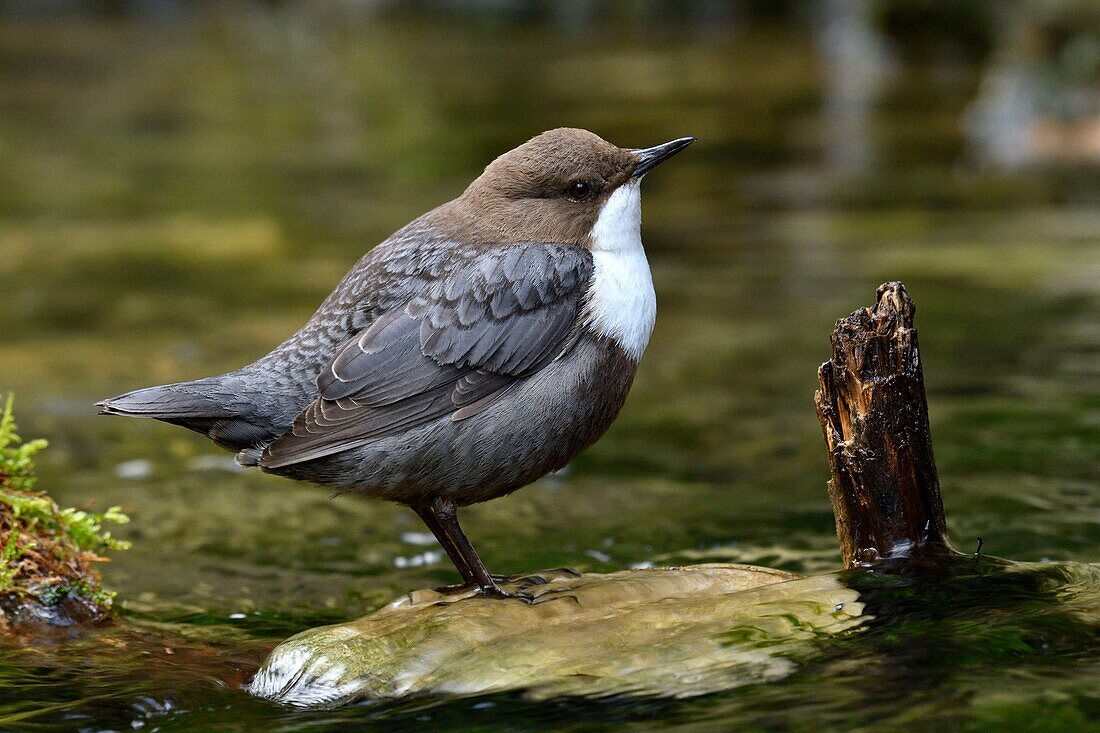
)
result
[(648, 158)]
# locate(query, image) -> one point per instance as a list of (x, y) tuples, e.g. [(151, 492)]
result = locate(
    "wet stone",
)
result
[(668, 631)]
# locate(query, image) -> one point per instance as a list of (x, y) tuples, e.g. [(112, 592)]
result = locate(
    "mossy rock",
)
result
[(667, 631), (47, 554)]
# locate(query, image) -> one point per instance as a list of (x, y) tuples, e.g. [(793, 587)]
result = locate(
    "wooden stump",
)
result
[(874, 414)]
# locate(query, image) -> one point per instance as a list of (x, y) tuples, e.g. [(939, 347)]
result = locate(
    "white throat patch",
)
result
[(622, 304)]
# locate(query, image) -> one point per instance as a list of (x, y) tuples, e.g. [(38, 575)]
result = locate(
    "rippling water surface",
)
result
[(177, 195)]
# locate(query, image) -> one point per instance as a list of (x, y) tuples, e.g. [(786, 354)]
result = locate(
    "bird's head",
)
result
[(566, 186)]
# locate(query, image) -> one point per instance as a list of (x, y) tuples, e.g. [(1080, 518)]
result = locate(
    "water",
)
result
[(178, 192)]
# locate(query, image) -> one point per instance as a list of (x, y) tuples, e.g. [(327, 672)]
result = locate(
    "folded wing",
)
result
[(453, 350)]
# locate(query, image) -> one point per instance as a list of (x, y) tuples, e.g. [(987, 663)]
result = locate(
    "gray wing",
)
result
[(452, 350)]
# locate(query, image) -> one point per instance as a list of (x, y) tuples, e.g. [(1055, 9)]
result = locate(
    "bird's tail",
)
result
[(169, 401), (205, 406)]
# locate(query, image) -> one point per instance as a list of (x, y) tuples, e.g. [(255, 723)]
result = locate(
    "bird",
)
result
[(477, 349)]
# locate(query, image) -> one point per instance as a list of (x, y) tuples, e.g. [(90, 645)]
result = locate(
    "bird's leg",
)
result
[(447, 515), (428, 516)]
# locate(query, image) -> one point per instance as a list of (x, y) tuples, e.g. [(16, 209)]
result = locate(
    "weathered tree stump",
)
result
[(874, 414)]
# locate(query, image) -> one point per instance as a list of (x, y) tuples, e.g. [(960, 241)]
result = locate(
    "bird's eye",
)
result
[(578, 190)]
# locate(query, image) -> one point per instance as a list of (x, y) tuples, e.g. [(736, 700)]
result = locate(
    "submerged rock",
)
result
[(666, 631)]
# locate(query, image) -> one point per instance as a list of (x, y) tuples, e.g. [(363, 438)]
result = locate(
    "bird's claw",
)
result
[(526, 582), (495, 591)]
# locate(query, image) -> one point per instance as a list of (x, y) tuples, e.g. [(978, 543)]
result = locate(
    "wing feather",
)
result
[(454, 349)]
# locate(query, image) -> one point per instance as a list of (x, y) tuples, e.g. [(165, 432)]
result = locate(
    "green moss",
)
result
[(48, 553)]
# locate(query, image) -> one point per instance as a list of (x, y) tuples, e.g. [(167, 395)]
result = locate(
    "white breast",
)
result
[(622, 304)]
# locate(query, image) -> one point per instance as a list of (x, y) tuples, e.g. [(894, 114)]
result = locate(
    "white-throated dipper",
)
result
[(475, 350)]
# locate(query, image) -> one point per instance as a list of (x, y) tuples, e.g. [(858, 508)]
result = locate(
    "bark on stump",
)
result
[(874, 414)]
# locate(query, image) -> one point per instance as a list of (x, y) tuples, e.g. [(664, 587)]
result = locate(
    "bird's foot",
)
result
[(530, 594), (491, 591), (495, 591), (526, 591)]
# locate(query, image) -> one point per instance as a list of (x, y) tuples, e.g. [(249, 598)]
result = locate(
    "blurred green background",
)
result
[(182, 183)]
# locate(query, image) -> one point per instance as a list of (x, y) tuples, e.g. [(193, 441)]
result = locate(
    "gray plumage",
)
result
[(473, 351), (392, 351), (466, 339), (252, 406)]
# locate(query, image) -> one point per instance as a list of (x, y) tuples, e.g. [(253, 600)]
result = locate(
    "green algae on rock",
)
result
[(663, 631), (47, 554)]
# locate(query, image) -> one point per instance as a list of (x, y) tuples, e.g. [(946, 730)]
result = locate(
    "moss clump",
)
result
[(47, 554)]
